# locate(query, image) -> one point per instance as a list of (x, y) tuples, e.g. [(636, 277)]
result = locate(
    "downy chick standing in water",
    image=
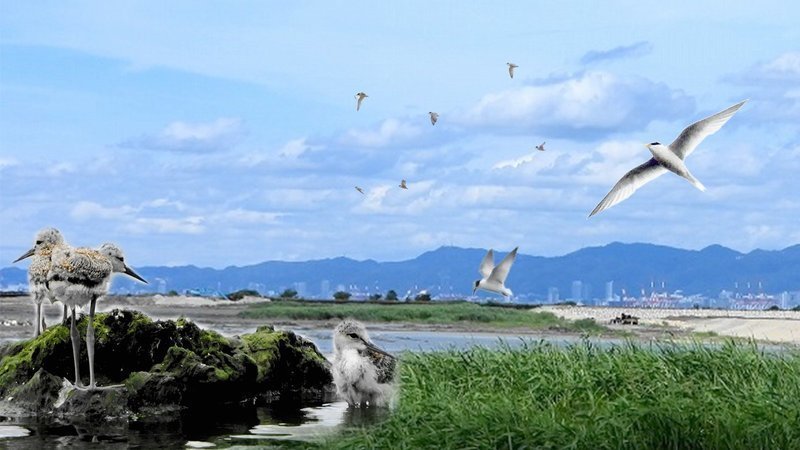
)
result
[(363, 373)]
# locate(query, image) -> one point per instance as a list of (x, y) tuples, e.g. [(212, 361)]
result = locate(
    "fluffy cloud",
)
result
[(585, 106), (221, 134), (389, 132), (622, 52), (774, 89)]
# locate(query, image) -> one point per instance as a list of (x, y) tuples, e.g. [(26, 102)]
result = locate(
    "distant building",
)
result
[(552, 295), (577, 290), (301, 288), (609, 291), (325, 289), (586, 294)]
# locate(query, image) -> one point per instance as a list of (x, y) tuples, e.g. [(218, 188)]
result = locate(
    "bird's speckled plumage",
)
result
[(78, 274), (362, 373), (47, 240)]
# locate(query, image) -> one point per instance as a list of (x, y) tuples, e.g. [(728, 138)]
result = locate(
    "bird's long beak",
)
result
[(375, 349), (27, 254), (131, 273)]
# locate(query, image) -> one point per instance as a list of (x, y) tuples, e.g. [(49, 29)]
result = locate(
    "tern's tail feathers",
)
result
[(695, 182)]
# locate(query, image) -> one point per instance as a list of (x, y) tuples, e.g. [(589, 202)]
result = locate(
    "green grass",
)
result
[(426, 313), (632, 397)]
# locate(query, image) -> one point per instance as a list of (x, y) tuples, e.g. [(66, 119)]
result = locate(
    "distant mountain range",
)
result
[(453, 269)]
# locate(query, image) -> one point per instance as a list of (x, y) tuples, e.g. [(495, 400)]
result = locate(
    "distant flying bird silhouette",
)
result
[(434, 117), (360, 97), (359, 189), (403, 184), (667, 158), (511, 67), (540, 147)]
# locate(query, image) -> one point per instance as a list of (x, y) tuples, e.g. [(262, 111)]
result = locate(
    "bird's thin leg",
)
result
[(76, 348), (65, 317), (38, 320), (44, 325), (90, 343)]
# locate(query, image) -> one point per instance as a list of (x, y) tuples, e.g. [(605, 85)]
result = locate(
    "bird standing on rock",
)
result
[(79, 276), (46, 242)]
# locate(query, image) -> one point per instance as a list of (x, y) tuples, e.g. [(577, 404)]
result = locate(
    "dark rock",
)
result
[(164, 366)]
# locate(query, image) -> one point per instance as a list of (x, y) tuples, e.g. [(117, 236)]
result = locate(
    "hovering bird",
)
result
[(403, 184), (360, 96), (434, 117), (511, 67), (79, 276), (494, 277), (540, 147), (363, 373), (46, 241), (359, 189), (667, 158)]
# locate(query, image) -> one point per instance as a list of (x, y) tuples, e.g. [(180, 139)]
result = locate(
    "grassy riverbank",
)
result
[(583, 397), (425, 313)]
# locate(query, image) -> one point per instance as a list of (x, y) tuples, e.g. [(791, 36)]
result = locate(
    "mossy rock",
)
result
[(163, 365)]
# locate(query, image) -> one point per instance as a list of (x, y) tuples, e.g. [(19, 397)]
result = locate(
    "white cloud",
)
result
[(390, 132), (60, 168), (245, 216), (84, 211), (221, 134), (7, 162), (515, 163), (591, 102), (183, 225)]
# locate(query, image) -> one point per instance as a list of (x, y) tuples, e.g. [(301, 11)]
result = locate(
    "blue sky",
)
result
[(225, 133)]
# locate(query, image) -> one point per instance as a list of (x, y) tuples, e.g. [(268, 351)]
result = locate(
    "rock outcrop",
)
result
[(152, 368)]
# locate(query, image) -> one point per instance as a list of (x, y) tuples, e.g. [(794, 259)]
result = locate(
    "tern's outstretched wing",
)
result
[(500, 273), (487, 264), (627, 185), (691, 137)]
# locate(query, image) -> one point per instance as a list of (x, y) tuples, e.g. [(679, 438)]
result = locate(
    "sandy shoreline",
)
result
[(773, 326), (223, 316)]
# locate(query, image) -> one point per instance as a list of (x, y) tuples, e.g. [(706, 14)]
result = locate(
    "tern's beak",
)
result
[(27, 254), (375, 349), (131, 273)]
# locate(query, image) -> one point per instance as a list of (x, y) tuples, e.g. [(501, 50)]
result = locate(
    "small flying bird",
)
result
[(540, 147), (79, 276), (403, 184), (359, 189), (511, 67), (362, 372), (493, 277), (46, 241), (360, 96), (667, 158), (434, 117)]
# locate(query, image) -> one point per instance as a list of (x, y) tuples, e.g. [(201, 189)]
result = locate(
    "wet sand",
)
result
[(773, 326)]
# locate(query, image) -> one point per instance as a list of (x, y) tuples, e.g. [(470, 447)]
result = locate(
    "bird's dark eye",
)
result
[(39, 242), (655, 143), (353, 335)]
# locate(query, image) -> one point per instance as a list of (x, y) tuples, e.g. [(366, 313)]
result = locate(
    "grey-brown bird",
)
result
[(360, 98), (511, 67), (403, 184), (46, 242), (79, 276), (434, 117), (359, 189), (540, 147)]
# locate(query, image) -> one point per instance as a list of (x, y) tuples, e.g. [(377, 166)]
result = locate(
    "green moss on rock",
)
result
[(166, 364)]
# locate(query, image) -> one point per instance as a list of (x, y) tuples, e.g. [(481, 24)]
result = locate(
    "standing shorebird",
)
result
[(494, 277), (667, 158), (79, 276), (434, 117), (403, 184), (540, 147), (511, 67), (46, 242), (363, 373), (360, 97)]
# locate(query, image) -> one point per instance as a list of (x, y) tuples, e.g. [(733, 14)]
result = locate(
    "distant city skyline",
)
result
[(222, 136)]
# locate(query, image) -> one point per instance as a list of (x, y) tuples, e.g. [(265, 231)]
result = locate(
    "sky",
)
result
[(225, 133)]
